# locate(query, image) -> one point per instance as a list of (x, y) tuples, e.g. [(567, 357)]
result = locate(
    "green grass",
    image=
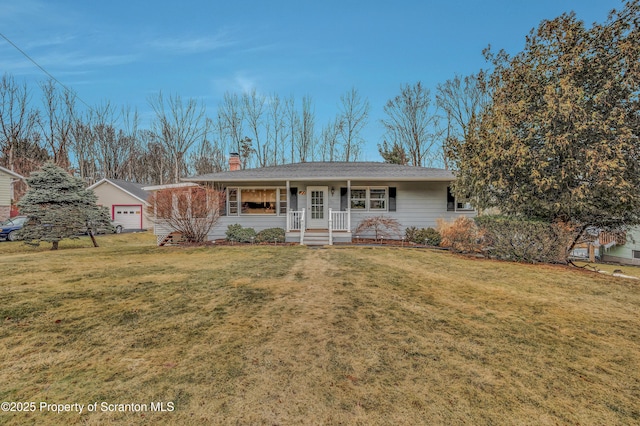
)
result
[(288, 335)]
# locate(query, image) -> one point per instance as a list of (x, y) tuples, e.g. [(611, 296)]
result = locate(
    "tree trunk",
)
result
[(93, 239)]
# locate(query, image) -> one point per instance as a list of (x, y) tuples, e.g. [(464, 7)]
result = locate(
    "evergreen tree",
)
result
[(560, 140), (59, 206)]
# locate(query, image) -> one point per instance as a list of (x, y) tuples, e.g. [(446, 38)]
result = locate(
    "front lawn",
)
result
[(291, 335)]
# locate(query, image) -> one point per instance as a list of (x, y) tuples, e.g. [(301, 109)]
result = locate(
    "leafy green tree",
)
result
[(59, 206), (560, 139)]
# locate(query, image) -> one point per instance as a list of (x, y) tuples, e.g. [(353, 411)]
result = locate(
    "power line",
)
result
[(44, 70)]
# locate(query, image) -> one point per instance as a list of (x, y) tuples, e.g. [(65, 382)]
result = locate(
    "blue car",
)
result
[(9, 227)]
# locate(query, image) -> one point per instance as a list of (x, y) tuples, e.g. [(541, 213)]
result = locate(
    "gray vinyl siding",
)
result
[(418, 204)]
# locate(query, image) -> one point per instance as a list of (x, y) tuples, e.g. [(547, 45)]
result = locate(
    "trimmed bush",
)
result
[(270, 235), (239, 234), (427, 236)]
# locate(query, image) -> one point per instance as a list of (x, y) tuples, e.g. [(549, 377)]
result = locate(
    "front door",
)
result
[(317, 207)]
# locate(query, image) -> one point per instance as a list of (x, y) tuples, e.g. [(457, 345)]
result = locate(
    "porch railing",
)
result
[(295, 220), (339, 220)]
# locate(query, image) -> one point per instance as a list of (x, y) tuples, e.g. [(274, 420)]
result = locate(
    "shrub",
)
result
[(270, 235), (422, 236), (380, 226), (430, 236), (239, 234), (524, 240), (461, 235)]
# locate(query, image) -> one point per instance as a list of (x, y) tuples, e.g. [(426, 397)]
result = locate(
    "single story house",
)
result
[(323, 202), (627, 253), (126, 202), (7, 180)]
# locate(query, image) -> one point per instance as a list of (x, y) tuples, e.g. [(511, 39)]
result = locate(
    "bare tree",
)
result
[(411, 124), (19, 140), (57, 121), (254, 106), (178, 125), (230, 120), (192, 211), (292, 125), (462, 100), (354, 113), (275, 128), (329, 145), (306, 139), (208, 158), (83, 149), (150, 160)]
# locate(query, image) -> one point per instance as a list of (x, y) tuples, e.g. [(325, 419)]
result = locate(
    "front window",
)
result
[(369, 198), (358, 198), (283, 201), (233, 201), (458, 203), (258, 201), (378, 199), (247, 201)]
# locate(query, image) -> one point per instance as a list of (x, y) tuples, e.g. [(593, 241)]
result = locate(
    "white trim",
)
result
[(10, 173), (169, 186)]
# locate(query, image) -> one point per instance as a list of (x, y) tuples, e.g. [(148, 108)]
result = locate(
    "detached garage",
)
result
[(126, 201)]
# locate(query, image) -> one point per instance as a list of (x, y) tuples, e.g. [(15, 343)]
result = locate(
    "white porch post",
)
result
[(349, 205), (302, 226), (288, 208), (330, 228)]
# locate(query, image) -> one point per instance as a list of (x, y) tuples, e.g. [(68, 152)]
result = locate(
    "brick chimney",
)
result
[(234, 161)]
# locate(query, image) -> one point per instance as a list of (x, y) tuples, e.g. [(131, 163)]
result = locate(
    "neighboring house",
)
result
[(323, 202), (7, 179), (126, 201), (628, 253)]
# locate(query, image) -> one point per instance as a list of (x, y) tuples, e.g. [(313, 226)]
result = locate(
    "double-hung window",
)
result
[(377, 198), (372, 199), (358, 198)]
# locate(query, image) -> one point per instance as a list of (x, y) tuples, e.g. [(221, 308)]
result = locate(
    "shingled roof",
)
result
[(134, 189), (329, 171)]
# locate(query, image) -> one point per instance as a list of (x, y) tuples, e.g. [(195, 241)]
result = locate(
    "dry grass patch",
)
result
[(288, 335)]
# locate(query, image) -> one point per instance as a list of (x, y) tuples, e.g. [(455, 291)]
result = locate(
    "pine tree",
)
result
[(59, 206)]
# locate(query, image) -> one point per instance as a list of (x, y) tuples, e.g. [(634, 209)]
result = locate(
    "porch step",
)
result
[(316, 238)]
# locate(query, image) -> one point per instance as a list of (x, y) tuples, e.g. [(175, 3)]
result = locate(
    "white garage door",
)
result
[(129, 216)]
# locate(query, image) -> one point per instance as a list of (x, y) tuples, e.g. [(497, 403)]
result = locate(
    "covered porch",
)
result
[(338, 227)]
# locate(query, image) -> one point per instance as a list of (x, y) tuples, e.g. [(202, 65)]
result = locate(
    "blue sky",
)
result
[(126, 51)]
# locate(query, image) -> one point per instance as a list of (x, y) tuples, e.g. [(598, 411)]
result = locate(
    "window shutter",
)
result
[(392, 199), (344, 199), (293, 199)]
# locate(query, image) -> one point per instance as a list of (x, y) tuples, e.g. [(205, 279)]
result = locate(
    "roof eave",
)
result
[(323, 179)]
